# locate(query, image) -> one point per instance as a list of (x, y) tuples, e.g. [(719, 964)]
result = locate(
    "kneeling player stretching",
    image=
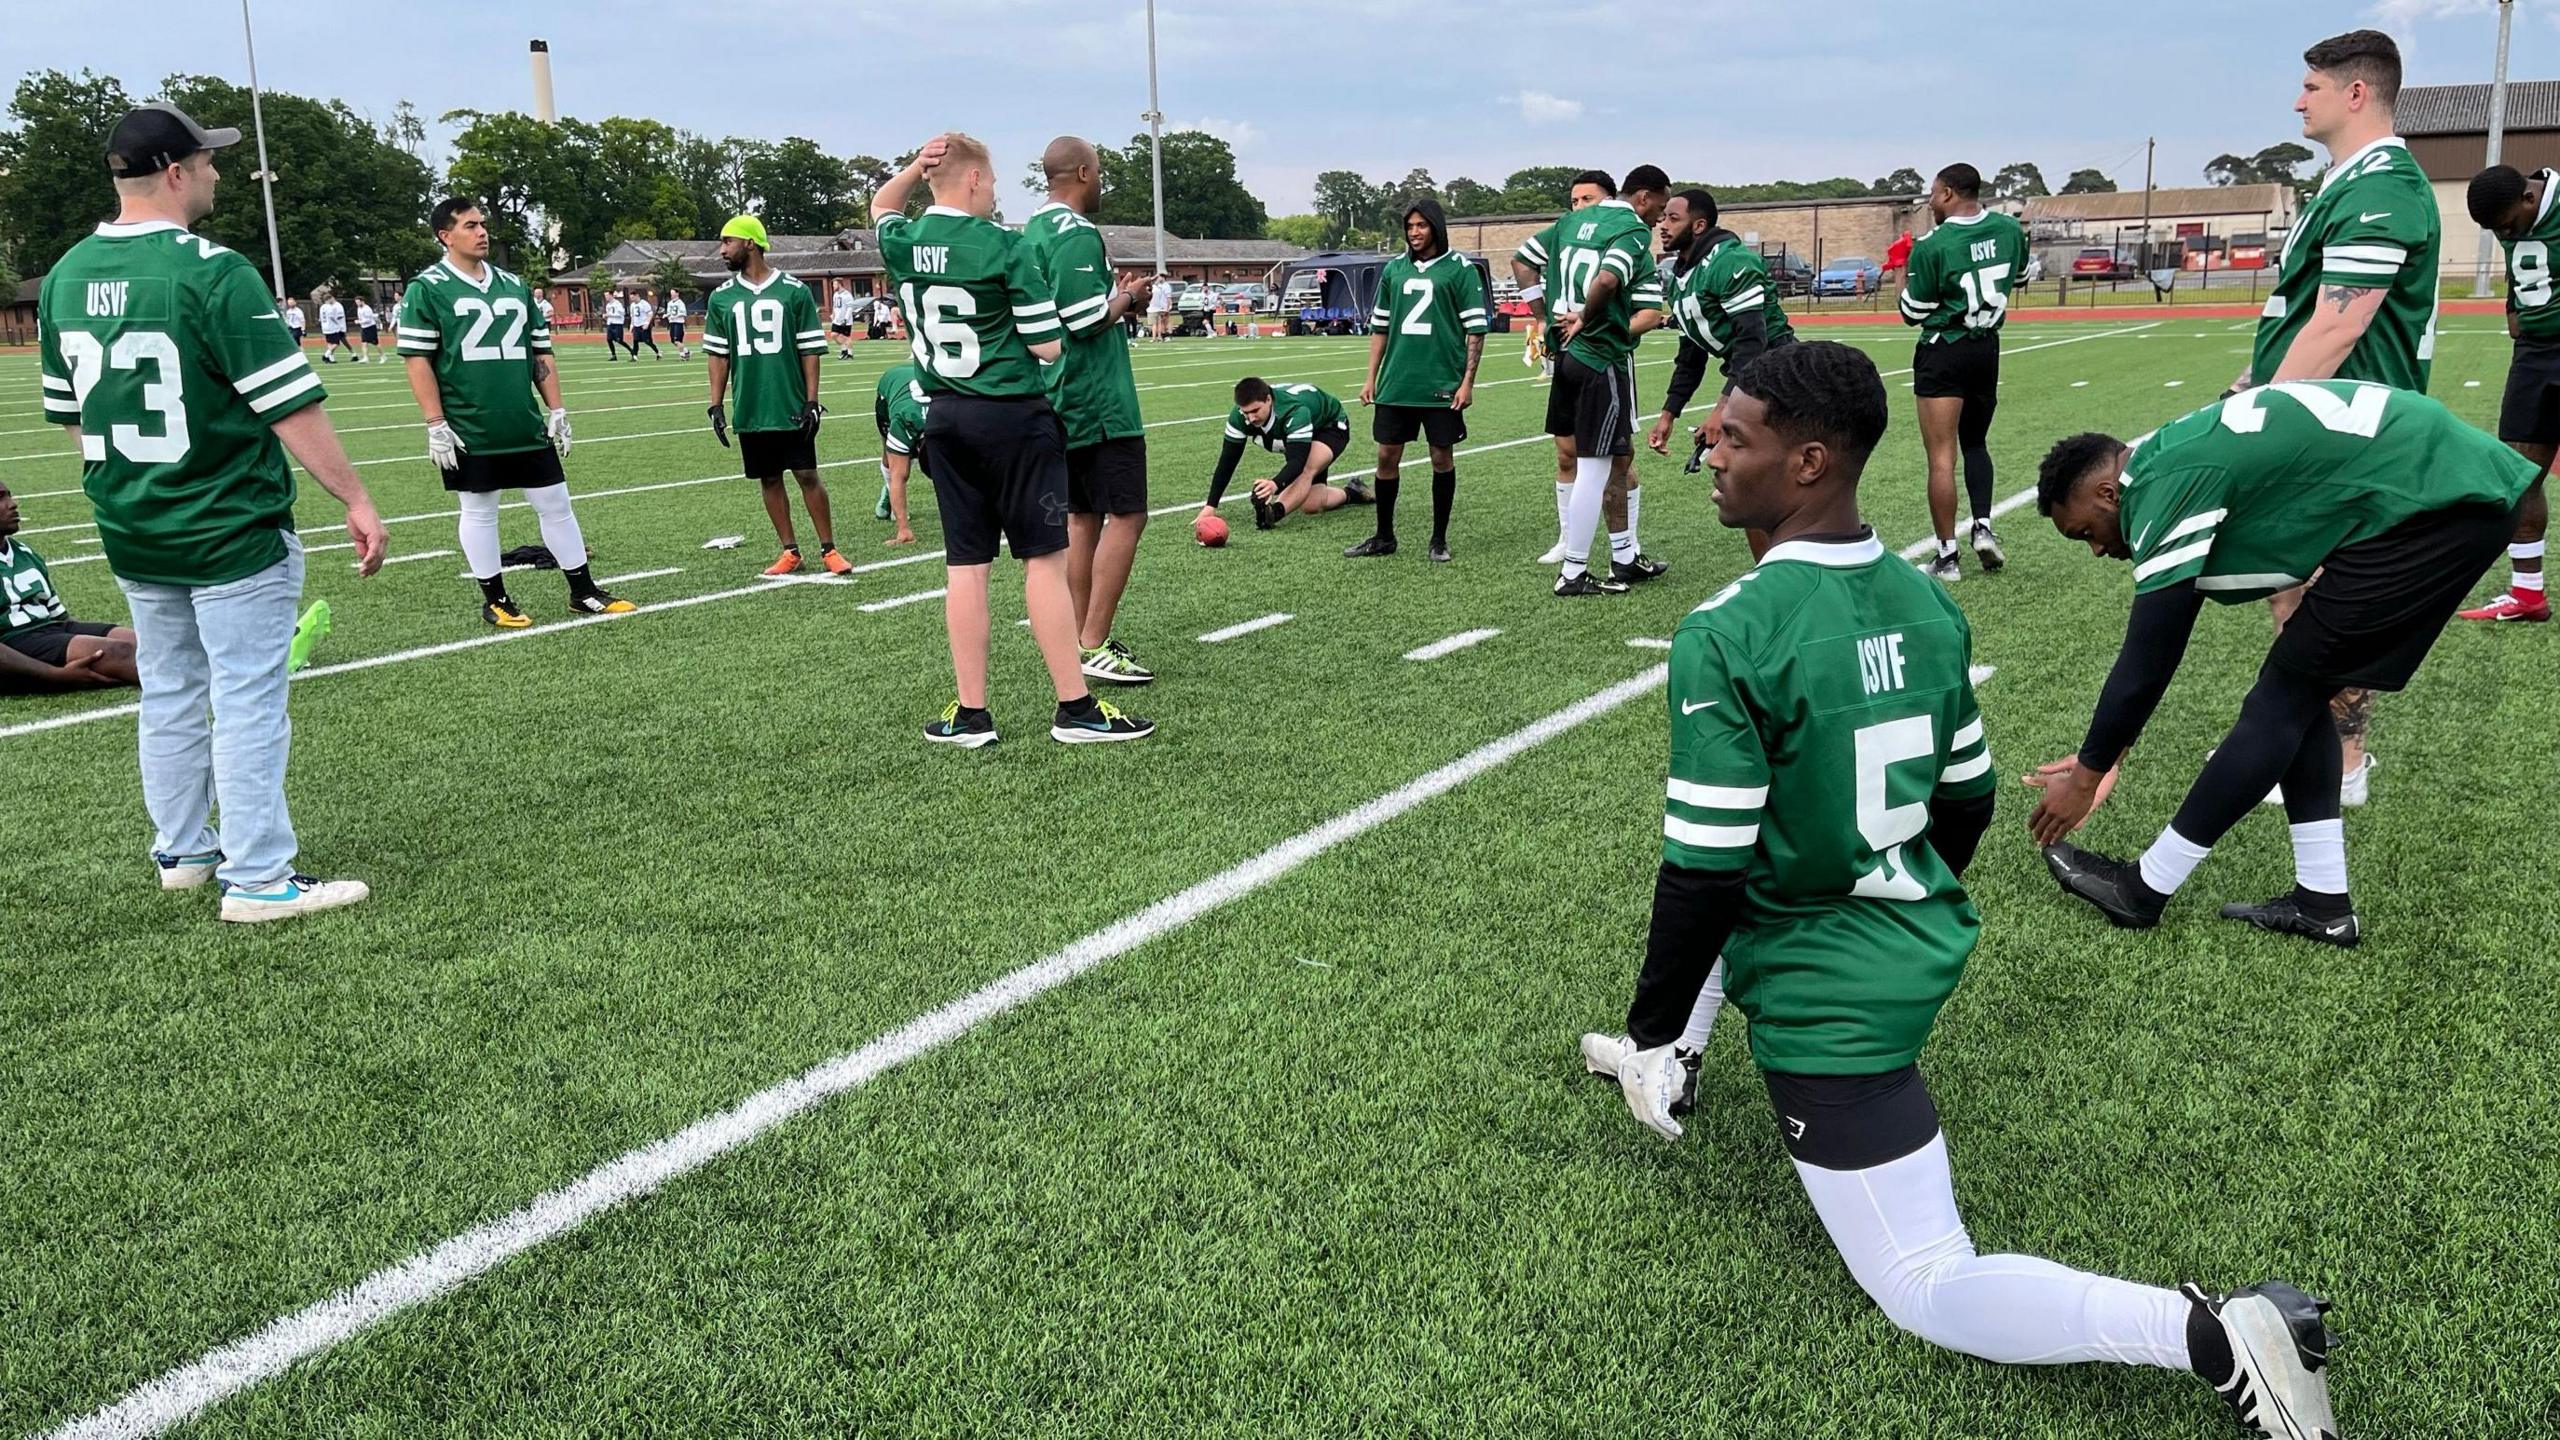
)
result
[(2397, 507), (1829, 781), (1308, 428), (42, 649)]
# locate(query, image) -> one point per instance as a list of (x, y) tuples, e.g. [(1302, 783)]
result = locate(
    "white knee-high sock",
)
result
[(1702, 1016), (2525, 550), (2170, 860), (1635, 507), (1897, 1226), (1564, 509), (1582, 517), (559, 525), (479, 529), (2320, 856)]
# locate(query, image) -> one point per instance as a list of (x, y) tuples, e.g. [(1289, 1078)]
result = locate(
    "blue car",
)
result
[(1849, 275)]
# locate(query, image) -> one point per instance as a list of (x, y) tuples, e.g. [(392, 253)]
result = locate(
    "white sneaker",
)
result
[(1602, 1054), (2353, 790), (185, 872), (1554, 556), (298, 895), (2280, 1349)]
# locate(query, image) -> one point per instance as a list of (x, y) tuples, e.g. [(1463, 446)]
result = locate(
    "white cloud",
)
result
[(1540, 108), (1239, 134)]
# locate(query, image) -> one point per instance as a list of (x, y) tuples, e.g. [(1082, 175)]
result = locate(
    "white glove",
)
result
[(443, 446), (1650, 1079), (558, 430)]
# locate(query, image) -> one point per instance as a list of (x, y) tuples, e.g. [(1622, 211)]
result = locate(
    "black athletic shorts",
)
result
[(844, 330), (675, 331), (479, 474), (297, 337), (1596, 407), (1293, 465), (1108, 477), (999, 468), (1967, 369), (50, 643), (769, 454), (333, 337), (2530, 415), (372, 335), (1441, 427), (1852, 1122), (2377, 605)]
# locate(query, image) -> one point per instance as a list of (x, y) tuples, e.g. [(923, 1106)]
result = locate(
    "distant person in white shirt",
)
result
[(293, 319), (543, 303), (614, 315), (641, 314), (879, 312), (1160, 313), (675, 324), (368, 331), (840, 319), (333, 329)]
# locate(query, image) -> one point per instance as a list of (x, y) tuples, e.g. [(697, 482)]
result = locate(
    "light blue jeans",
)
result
[(214, 728)]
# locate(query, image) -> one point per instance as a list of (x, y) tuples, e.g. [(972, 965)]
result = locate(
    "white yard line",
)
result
[(640, 575), (405, 559), (181, 1393), (1219, 637), (1980, 673), (894, 601), (1648, 642), (1450, 646)]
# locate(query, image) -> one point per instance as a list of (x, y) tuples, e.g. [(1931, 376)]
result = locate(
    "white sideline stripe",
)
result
[(405, 559), (1450, 646), (1929, 543), (1980, 673), (1648, 642), (231, 1369), (1231, 632), (640, 575), (894, 601)]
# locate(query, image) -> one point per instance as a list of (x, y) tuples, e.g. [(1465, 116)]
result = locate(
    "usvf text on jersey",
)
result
[(106, 297), (933, 259), (1880, 662)]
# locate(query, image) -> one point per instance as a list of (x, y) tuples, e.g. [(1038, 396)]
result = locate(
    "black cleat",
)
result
[(2285, 916), (1586, 583), (1374, 545), (2114, 886), (1355, 493), (2277, 1386), (1638, 570), (1439, 552), (1266, 513)]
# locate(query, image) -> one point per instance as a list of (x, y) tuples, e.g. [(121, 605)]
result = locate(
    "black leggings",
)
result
[(639, 338), (2285, 733), (1973, 438)]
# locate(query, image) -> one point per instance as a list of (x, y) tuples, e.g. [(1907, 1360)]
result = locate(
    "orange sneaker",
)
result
[(789, 564), (837, 564)]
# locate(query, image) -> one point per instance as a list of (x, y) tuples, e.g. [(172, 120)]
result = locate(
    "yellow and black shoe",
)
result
[(598, 602), (505, 614)]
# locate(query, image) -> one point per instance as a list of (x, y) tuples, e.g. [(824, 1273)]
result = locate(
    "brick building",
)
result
[(2447, 127), (1812, 230)]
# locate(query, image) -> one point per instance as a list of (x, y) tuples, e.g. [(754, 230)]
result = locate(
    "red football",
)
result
[(1210, 530)]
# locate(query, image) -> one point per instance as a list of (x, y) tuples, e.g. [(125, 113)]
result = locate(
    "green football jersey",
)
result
[(2248, 496), (1817, 705), (975, 303), (483, 339), (1090, 385), (27, 597), (1960, 274), (1730, 280), (900, 404), (2529, 293), (763, 330), (2373, 226), (1298, 414), (1607, 236), (1427, 312), (167, 351)]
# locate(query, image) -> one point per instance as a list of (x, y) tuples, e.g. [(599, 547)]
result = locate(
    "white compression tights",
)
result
[(550, 504), (1896, 1225)]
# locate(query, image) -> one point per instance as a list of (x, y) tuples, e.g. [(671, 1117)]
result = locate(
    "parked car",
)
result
[(1790, 273), (1849, 275), (2097, 262)]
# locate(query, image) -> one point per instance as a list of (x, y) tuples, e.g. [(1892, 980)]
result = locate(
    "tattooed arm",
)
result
[(2323, 344)]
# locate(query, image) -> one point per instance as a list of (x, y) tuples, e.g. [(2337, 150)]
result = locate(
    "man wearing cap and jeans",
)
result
[(166, 359)]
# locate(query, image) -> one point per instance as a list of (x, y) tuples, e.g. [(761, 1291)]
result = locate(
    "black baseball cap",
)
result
[(152, 138)]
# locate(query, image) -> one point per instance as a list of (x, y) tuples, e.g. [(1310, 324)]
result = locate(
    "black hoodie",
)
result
[(1435, 217)]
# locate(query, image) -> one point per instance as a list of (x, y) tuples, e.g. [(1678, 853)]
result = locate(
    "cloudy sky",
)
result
[(1722, 90)]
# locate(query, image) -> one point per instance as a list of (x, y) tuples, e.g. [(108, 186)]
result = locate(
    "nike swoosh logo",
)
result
[(1692, 707), (1084, 269), (2376, 215), (2145, 535), (270, 315)]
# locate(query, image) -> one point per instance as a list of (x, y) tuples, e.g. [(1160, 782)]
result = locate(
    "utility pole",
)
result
[(2497, 132), (1155, 131), (2148, 147), (266, 176)]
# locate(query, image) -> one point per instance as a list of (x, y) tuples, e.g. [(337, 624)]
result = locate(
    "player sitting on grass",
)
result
[(42, 649), (1829, 783), (2395, 504), (1309, 428), (898, 405)]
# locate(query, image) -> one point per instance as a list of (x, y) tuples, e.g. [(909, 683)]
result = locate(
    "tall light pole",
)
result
[(266, 176), (1155, 137), (2497, 131)]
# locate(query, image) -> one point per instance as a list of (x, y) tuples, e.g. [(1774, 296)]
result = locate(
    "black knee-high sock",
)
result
[(1444, 493), (1384, 491), (2266, 745), (493, 588), (582, 582), (1977, 482)]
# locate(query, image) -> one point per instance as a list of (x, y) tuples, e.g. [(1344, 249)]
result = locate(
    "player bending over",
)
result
[(1308, 428), (2394, 503), (899, 404), (42, 649), (1829, 782)]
